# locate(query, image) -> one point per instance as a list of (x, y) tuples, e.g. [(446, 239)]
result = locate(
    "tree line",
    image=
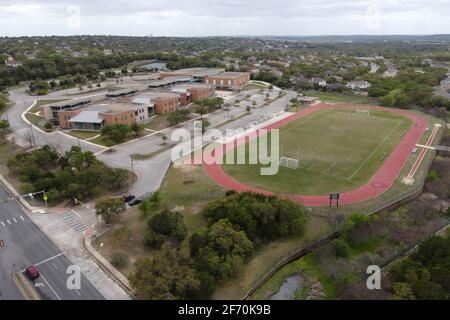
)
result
[(76, 174)]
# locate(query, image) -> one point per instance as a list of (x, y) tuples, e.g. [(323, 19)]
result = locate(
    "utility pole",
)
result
[(32, 136), (132, 166)]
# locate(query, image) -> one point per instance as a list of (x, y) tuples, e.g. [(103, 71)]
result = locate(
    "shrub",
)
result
[(119, 260), (341, 248), (432, 176), (48, 126)]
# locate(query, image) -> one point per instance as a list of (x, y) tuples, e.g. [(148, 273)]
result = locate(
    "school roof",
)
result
[(87, 116)]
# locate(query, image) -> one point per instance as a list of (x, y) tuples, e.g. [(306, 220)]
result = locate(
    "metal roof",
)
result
[(87, 117)]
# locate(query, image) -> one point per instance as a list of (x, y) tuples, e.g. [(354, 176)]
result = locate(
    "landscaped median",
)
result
[(25, 287)]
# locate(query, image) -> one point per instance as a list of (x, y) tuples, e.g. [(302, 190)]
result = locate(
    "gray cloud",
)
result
[(180, 17)]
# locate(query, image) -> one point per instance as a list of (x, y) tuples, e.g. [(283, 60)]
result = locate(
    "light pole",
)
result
[(132, 167)]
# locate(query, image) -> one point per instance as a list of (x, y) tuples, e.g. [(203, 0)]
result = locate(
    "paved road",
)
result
[(25, 245)]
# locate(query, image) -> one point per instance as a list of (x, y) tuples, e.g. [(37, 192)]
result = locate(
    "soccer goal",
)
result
[(289, 160), (365, 111), (289, 163)]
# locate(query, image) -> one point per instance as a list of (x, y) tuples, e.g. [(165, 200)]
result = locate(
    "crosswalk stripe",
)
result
[(73, 221), (15, 220), (22, 218), (9, 222), (3, 224)]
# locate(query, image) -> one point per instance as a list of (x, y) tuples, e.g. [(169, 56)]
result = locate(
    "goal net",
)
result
[(287, 159), (289, 163), (363, 111)]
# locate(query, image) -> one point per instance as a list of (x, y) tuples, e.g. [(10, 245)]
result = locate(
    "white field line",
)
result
[(375, 150), (334, 163)]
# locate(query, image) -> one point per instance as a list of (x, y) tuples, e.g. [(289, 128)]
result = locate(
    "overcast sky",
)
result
[(223, 17)]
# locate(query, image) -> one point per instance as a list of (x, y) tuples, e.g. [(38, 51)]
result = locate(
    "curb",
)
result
[(107, 267)]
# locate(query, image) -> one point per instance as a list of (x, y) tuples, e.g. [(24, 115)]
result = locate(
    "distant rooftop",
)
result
[(229, 74), (198, 72)]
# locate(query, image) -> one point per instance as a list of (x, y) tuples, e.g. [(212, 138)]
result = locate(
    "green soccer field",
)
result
[(339, 150)]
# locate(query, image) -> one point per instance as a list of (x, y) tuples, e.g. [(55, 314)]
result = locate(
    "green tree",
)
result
[(116, 132), (341, 248), (108, 208), (205, 125), (402, 291), (263, 218), (220, 250), (165, 226), (168, 275), (164, 138), (137, 129), (4, 130)]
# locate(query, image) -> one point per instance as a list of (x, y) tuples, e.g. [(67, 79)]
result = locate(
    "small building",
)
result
[(194, 92), (160, 102), (229, 80), (10, 62), (319, 81), (359, 85), (165, 102), (51, 111), (97, 116)]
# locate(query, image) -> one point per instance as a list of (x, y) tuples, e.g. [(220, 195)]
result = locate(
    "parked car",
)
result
[(32, 272), (134, 202), (128, 198)]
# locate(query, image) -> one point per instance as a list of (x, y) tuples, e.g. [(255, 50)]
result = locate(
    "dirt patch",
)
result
[(126, 235)]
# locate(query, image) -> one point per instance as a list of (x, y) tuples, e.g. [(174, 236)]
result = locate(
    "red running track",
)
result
[(381, 181)]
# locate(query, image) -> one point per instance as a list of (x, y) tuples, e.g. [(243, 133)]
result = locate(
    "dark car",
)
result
[(134, 202), (32, 272), (128, 198)]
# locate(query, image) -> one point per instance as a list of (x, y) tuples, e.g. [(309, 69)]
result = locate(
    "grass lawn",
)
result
[(339, 150), (83, 134), (338, 97), (159, 122), (37, 121), (106, 142), (150, 155)]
